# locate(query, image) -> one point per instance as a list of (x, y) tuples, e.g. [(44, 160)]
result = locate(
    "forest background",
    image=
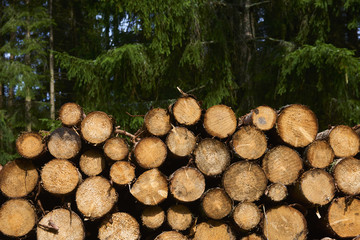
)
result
[(123, 57)]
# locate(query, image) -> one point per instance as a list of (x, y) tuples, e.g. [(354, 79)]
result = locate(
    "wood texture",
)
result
[(220, 121), (96, 127), (216, 204), (247, 215), (153, 217), (71, 114), (181, 141), (150, 152), (119, 225), (157, 121), (187, 111), (30, 145), (347, 174), (92, 162), (179, 217), (116, 148)]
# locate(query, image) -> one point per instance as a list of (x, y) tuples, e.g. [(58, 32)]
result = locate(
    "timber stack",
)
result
[(188, 173)]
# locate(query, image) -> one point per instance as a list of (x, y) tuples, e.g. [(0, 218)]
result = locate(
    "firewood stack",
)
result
[(188, 173)]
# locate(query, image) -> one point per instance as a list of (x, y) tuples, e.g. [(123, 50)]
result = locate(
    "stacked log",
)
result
[(188, 173)]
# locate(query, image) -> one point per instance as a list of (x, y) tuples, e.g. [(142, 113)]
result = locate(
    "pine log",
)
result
[(187, 184), (247, 216), (71, 114), (30, 145), (252, 236), (284, 223), (92, 162), (213, 230), (319, 154), (95, 197), (297, 125), (179, 217), (244, 181), (118, 226), (317, 186), (181, 141), (153, 217), (216, 204), (186, 111), (344, 217), (282, 165), (249, 142), (96, 127), (64, 143), (18, 178), (116, 149), (170, 235), (342, 139), (150, 188), (17, 217), (60, 177), (347, 175), (150, 152), (263, 117), (122, 172), (212, 157), (60, 224), (157, 121), (276, 192), (220, 121)]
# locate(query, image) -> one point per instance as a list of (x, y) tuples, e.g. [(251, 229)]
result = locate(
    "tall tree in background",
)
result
[(51, 64)]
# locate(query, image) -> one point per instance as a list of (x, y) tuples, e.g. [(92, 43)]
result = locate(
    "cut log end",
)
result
[(64, 143), (187, 111), (170, 235), (119, 225), (344, 141), (179, 217), (92, 162), (252, 236), (157, 121), (213, 230), (70, 114), (347, 174), (153, 217), (96, 127), (30, 145), (220, 121), (150, 152), (122, 172), (247, 216), (116, 149), (276, 192), (216, 204), (181, 141), (319, 154), (263, 117)]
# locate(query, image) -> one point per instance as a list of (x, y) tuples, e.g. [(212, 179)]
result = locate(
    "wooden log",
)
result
[(170, 235), (247, 216), (64, 143), (213, 230), (283, 223), (97, 127), (60, 224), (297, 125), (30, 145), (220, 121), (319, 154), (252, 236), (216, 204), (157, 121), (119, 225), (153, 217), (263, 117), (249, 142), (150, 188), (122, 172), (186, 111), (150, 152), (212, 157), (18, 178), (60, 177), (179, 217), (71, 114), (17, 217), (92, 162), (344, 217), (116, 149), (181, 141), (187, 184), (282, 165), (347, 174), (244, 181), (95, 197), (276, 192)]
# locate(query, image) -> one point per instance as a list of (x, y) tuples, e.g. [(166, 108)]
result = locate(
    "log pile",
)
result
[(188, 173)]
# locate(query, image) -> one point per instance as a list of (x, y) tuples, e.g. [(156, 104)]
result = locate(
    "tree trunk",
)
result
[(157, 121), (216, 204), (119, 225), (116, 149), (247, 216), (220, 121), (347, 174), (186, 110), (179, 217), (319, 154), (97, 127), (150, 152), (213, 230), (170, 235), (70, 114), (11, 88), (30, 145), (276, 192), (1, 96), (122, 172), (64, 143), (153, 217), (28, 114), (92, 162), (51, 65), (263, 117), (181, 141)]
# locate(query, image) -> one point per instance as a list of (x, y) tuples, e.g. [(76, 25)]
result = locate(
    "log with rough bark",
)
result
[(276, 192), (153, 217), (64, 143), (30, 145), (60, 224), (319, 154), (216, 204), (212, 157), (186, 111), (97, 127), (71, 114), (347, 175), (150, 152), (157, 121), (18, 178), (116, 149), (119, 225), (179, 217), (247, 215), (122, 172), (181, 141), (92, 162), (297, 125), (171, 235), (213, 230), (220, 121), (262, 117)]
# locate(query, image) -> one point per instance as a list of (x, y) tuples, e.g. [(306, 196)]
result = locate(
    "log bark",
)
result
[(119, 225), (30, 145), (216, 204), (247, 216), (92, 162), (71, 114), (344, 217), (116, 149), (347, 174), (97, 127), (262, 117), (64, 143), (249, 142), (170, 235), (95, 197), (181, 141), (186, 111), (187, 184), (122, 172), (150, 188), (60, 224), (244, 181), (276, 192), (319, 154), (213, 230), (179, 217), (284, 223), (153, 217), (220, 121), (282, 165), (157, 121), (18, 178), (17, 217), (150, 152), (212, 157), (297, 125)]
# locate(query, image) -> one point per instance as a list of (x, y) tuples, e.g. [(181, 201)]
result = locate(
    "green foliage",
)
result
[(7, 137)]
